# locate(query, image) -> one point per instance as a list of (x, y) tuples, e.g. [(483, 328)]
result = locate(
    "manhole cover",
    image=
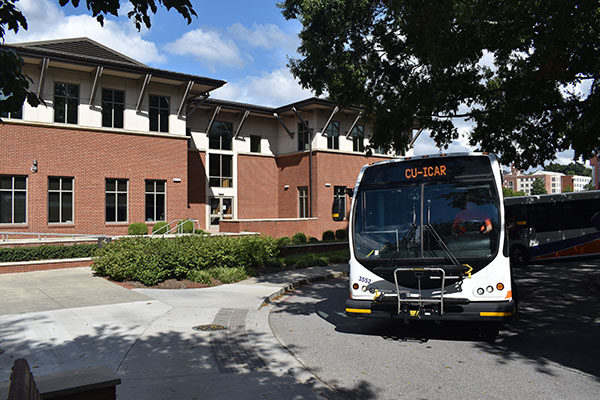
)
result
[(209, 327)]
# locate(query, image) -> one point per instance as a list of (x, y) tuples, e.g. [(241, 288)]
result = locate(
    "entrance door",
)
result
[(220, 208)]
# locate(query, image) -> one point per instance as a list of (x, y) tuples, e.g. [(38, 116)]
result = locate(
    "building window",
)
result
[(220, 135), (155, 200), (303, 137), (60, 200), (12, 114), (358, 138), (159, 113), (339, 192), (379, 150), (117, 200), (333, 135), (220, 170), (13, 199), (66, 102), (303, 202), (255, 144), (113, 106)]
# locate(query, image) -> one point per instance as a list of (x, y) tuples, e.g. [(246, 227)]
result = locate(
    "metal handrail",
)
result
[(4, 235), (178, 226)]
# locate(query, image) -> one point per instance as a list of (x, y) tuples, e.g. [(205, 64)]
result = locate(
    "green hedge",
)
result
[(137, 228), (153, 260), (49, 252), (299, 238), (160, 228)]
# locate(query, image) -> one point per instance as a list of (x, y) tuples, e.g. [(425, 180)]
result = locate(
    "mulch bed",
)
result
[(186, 283)]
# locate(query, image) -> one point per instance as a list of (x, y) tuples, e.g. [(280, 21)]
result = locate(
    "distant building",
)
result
[(554, 182)]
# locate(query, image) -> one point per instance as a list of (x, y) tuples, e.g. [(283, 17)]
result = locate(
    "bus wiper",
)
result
[(441, 243), (438, 238)]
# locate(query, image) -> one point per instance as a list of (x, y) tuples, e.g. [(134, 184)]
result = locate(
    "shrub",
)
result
[(283, 241), (312, 239), (185, 226), (49, 252), (299, 238), (152, 260), (328, 235), (160, 227), (201, 232), (200, 276), (137, 228), (341, 234)]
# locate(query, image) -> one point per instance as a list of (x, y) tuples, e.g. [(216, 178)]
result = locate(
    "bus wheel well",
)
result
[(519, 255)]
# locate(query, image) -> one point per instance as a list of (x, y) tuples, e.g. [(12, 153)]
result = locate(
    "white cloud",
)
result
[(273, 89), (265, 36), (47, 21), (425, 145), (208, 47)]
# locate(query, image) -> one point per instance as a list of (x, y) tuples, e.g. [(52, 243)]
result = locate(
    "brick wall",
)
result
[(258, 187), (197, 186), (91, 156)]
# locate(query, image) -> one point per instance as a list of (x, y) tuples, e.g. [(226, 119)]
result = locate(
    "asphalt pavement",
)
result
[(157, 341)]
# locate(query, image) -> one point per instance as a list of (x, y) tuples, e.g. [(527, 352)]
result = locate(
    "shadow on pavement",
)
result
[(558, 321)]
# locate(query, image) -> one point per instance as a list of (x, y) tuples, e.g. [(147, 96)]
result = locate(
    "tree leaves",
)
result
[(518, 71)]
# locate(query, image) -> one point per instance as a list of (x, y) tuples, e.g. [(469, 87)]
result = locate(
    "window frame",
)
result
[(116, 193), (66, 99), (61, 191), (155, 194), (333, 135), (303, 205), (12, 114), (12, 191), (303, 137), (358, 138), (218, 130), (255, 146), (112, 104), (220, 176), (159, 110), (339, 192)]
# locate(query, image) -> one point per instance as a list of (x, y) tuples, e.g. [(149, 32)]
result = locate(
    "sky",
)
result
[(246, 43)]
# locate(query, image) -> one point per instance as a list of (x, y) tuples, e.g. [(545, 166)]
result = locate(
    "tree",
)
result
[(14, 85), (508, 192), (538, 187), (567, 189), (570, 169), (512, 69)]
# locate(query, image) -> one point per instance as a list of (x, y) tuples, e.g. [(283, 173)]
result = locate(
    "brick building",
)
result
[(120, 142), (554, 182)]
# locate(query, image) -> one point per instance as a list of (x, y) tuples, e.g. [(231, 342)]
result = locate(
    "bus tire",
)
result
[(519, 256)]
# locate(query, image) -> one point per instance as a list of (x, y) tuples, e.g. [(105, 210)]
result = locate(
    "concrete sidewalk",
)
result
[(68, 319)]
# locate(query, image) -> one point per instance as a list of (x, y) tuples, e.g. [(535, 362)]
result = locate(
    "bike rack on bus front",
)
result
[(419, 272)]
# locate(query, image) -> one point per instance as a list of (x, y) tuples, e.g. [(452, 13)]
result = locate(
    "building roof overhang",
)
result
[(85, 55)]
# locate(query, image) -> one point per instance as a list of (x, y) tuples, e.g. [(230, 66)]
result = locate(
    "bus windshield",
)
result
[(428, 220)]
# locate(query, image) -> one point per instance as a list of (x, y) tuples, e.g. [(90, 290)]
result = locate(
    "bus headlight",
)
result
[(489, 289), (364, 288), (480, 291)]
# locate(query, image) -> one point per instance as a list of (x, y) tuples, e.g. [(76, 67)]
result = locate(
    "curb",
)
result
[(300, 282)]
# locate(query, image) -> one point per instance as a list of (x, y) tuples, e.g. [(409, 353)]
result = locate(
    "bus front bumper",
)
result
[(498, 311)]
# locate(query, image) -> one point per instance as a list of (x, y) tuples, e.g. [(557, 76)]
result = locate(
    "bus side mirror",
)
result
[(337, 208)]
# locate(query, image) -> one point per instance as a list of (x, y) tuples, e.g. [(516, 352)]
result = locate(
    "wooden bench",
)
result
[(95, 383)]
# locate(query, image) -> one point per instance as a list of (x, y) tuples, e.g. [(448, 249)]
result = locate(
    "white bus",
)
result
[(427, 240)]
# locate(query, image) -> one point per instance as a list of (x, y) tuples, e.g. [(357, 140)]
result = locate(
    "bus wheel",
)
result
[(519, 256)]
